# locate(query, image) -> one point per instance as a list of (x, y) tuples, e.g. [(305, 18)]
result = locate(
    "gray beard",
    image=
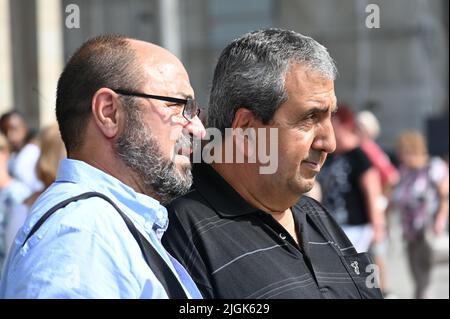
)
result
[(141, 152)]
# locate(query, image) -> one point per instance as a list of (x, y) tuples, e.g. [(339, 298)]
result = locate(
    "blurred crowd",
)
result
[(28, 164), (361, 185)]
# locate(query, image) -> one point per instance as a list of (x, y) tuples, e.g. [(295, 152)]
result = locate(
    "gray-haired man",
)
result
[(244, 234)]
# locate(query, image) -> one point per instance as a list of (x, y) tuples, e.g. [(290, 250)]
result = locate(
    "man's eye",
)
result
[(311, 117), (176, 105)]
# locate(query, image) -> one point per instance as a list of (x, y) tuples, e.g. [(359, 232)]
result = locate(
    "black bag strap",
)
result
[(152, 257)]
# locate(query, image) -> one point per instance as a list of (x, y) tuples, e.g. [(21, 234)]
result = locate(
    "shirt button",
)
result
[(282, 236), (159, 233)]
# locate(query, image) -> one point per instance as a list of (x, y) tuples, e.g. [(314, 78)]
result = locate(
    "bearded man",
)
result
[(124, 108)]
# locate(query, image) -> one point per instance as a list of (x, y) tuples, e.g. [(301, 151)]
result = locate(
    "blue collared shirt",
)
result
[(85, 250)]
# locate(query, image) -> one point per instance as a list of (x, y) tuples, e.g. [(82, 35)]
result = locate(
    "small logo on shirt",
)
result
[(355, 266)]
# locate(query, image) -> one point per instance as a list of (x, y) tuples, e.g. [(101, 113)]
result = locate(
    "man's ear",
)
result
[(105, 111), (244, 128), (243, 119)]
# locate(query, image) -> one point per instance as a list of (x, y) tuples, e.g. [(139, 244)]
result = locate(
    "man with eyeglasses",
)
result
[(125, 109)]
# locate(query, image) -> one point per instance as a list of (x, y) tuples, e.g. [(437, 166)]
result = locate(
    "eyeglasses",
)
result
[(190, 108)]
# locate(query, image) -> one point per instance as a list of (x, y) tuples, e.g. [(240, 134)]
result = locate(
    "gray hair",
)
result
[(251, 73)]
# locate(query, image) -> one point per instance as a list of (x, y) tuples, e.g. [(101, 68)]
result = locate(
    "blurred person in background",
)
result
[(12, 192), (52, 152), (14, 127), (421, 197), (24, 149), (351, 186), (369, 130)]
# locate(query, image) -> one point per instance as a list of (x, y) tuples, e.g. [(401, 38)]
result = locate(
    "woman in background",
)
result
[(52, 151), (421, 196), (12, 192)]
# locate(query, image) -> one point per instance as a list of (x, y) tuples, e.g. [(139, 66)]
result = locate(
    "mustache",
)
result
[(183, 146)]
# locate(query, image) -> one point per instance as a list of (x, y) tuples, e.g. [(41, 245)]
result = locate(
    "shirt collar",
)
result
[(75, 171), (224, 199)]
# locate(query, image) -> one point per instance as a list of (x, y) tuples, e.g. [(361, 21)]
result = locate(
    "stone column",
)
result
[(24, 61), (49, 54), (169, 17), (6, 80)]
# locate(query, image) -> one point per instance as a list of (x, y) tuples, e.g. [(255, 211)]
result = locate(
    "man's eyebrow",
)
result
[(335, 109), (318, 110), (315, 110), (182, 95)]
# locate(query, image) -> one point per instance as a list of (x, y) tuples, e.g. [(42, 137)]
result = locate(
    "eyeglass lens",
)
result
[(191, 109)]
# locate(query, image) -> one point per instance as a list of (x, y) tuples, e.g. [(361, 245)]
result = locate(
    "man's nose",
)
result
[(325, 139), (195, 127)]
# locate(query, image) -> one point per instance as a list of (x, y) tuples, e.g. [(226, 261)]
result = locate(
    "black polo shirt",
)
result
[(233, 250)]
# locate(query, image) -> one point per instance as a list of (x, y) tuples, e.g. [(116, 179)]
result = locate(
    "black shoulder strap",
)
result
[(152, 257)]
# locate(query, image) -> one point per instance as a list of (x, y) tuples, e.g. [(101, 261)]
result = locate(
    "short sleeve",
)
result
[(360, 162)]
